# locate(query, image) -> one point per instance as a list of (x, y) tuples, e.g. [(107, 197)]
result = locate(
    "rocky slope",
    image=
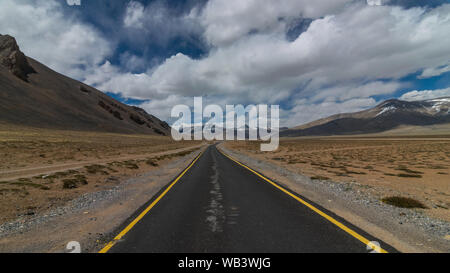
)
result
[(12, 58), (33, 95)]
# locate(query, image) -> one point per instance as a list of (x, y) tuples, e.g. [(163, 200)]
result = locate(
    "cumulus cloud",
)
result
[(131, 62), (347, 92), (434, 71), (346, 52), (73, 2), (43, 32), (134, 15), (425, 94), (110, 78), (159, 107), (226, 21), (335, 49), (374, 2), (344, 56), (158, 23)]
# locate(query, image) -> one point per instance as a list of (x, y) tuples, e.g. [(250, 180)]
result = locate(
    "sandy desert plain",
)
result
[(410, 172), (42, 169)]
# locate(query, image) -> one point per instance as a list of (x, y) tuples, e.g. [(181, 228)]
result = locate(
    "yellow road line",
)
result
[(316, 210), (135, 221)]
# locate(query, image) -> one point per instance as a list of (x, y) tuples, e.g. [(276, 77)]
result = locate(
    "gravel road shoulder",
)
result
[(90, 218)]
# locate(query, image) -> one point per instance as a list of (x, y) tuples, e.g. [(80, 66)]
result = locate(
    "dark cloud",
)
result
[(417, 3), (297, 27)]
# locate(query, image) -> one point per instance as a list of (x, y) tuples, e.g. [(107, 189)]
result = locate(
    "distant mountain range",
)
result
[(386, 116), (32, 94)]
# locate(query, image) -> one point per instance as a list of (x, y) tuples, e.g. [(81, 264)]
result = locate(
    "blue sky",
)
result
[(313, 58)]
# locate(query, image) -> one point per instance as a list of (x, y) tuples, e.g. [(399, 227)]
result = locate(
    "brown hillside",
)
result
[(32, 94)]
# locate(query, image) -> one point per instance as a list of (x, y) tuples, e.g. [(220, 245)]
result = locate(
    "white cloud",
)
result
[(434, 71), (131, 62), (346, 92), (374, 2), (158, 23), (162, 107), (350, 52), (425, 94), (134, 15), (226, 21), (347, 57), (359, 45), (43, 32), (108, 77), (73, 2)]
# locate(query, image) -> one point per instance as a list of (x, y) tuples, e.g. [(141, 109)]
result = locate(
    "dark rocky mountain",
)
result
[(32, 94), (388, 115), (13, 59)]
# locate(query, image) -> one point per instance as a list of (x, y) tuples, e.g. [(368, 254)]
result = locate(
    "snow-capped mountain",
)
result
[(386, 116), (440, 106)]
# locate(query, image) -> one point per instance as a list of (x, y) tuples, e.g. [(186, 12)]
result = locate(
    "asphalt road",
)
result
[(219, 206)]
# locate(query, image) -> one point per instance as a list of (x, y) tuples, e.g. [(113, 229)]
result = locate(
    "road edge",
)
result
[(342, 208)]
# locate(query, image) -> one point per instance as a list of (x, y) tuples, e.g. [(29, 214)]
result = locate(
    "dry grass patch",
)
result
[(96, 169), (74, 182), (86, 157), (22, 147), (403, 202), (152, 162), (383, 163), (409, 175), (318, 177)]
